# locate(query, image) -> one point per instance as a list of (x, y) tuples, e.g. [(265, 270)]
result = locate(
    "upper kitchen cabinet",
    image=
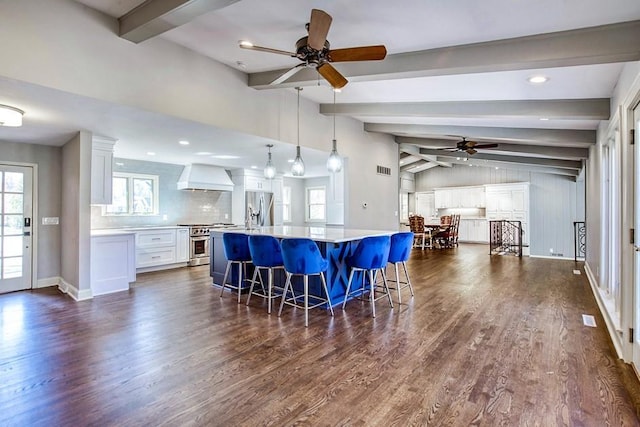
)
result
[(460, 197), (101, 170), (253, 180), (510, 202)]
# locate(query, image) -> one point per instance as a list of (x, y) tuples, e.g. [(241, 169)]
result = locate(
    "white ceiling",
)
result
[(405, 27)]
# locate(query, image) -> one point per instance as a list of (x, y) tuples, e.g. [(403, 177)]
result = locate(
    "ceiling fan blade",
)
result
[(288, 74), (362, 53), (471, 151), (265, 49), (486, 146), (469, 143), (318, 28), (333, 76)]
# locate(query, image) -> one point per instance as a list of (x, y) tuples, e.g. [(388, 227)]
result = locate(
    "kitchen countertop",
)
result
[(319, 234), (110, 232)]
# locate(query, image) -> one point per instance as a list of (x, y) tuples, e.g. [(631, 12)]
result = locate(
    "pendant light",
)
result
[(297, 169), (334, 162), (269, 169)]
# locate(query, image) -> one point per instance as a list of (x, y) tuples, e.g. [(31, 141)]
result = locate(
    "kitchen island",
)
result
[(335, 244)]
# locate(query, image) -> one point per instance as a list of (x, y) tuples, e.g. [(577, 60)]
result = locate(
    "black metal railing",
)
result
[(505, 238), (579, 240)]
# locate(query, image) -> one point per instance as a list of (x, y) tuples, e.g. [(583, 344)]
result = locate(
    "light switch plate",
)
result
[(50, 220)]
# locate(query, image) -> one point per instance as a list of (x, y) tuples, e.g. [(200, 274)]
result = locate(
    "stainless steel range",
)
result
[(199, 242)]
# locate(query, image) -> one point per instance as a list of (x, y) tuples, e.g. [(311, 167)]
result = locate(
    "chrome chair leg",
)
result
[(372, 297), (398, 287), (406, 273), (224, 281), (386, 287), (287, 284), (326, 291), (253, 282), (305, 279), (344, 303)]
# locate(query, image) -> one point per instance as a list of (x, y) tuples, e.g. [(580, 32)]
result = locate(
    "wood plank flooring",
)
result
[(486, 341)]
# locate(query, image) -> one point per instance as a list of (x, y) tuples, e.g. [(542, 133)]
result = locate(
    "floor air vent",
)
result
[(381, 170)]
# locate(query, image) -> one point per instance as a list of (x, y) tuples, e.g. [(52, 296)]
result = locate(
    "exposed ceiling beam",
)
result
[(517, 166), (594, 45), (532, 161), (419, 167), (568, 109), (415, 151), (567, 153), (565, 137), (154, 17)]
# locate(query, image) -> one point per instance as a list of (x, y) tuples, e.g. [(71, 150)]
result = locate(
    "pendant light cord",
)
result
[(298, 89), (334, 115)]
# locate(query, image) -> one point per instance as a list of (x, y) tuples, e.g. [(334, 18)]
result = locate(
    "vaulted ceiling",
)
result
[(454, 69)]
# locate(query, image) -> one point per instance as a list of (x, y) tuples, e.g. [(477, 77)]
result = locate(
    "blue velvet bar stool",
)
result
[(398, 255), (302, 257), (370, 257), (266, 255), (236, 250)]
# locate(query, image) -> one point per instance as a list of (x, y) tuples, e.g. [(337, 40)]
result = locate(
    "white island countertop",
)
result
[(319, 234)]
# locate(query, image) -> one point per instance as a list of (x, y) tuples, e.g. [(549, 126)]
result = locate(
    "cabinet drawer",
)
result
[(152, 257), (155, 238)]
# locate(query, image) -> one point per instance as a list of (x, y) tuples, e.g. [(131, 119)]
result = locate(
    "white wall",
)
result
[(555, 201), (297, 199)]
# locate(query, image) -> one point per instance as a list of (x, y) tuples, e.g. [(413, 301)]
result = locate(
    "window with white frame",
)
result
[(316, 204), (286, 204), (404, 206), (133, 194)]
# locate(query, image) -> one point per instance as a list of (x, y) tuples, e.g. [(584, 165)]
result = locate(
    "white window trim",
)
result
[(286, 204), (156, 194), (306, 204)]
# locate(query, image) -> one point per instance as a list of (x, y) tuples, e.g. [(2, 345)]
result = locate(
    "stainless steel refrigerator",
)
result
[(258, 209)]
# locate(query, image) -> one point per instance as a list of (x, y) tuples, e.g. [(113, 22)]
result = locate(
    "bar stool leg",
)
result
[(372, 297), (253, 282), (287, 284), (326, 291), (306, 300), (240, 265), (395, 268), (386, 286), (224, 281), (406, 273), (269, 285), (344, 303)]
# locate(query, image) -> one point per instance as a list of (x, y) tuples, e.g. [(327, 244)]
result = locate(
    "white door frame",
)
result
[(34, 218)]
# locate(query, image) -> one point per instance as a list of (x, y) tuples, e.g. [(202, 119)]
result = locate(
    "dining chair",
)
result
[(266, 255), (369, 258), (399, 255), (420, 233), (302, 257), (236, 250)]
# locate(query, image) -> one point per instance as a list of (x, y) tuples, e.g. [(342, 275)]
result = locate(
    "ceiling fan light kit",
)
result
[(314, 50), (297, 168), (10, 116)]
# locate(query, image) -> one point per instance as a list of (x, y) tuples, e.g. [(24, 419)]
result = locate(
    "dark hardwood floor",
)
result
[(486, 341)]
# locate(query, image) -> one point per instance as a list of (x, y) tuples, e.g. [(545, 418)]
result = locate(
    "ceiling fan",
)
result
[(470, 147), (314, 51)]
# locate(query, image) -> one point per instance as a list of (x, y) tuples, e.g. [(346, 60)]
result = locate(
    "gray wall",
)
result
[(555, 201), (179, 206), (297, 200), (49, 161)]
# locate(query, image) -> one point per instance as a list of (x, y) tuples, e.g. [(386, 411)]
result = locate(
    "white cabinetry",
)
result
[(253, 180), (182, 244), (473, 230), (112, 262), (460, 197), (510, 202), (101, 171)]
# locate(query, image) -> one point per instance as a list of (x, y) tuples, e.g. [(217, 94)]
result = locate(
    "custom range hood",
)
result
[(204, 177)]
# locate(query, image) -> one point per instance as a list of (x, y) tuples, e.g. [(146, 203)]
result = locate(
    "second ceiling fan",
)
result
[(315, 51), (470, 147)]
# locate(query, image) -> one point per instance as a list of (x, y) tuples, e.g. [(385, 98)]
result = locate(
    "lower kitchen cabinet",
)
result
[(112, 262), (473, 230), (161, 248)]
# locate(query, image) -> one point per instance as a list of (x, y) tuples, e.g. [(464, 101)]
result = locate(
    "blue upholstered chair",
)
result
[(369, 258), (266, 255), (302, 257), (398, 255), (236, 250)]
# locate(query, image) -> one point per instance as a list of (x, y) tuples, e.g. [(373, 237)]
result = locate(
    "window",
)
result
[(133, 194), (404, 206), (316, 204), (286, 204)]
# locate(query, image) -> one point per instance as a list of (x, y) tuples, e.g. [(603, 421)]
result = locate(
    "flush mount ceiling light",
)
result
[(269, 169), (297, 169), (538, 79), (183, 142), (10, 116), (334, 162)]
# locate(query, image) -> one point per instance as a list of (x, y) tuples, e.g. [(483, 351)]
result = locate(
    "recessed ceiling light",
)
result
[(497, 168), (150, 153), (544, 119), (245, 43), (402, 162), (119, 164), (225, 156), (254, 167), (183, 142), (203, 153), (538, 79), (290, 161)]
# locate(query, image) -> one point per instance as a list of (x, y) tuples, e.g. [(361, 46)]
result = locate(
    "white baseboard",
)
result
[(47, 282), (614, 333), (73, 292), (552, 257)]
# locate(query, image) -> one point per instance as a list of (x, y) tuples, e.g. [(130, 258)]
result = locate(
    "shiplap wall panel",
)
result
[(555, 201)]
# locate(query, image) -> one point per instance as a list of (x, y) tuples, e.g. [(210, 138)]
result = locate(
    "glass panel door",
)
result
[(16, 206)]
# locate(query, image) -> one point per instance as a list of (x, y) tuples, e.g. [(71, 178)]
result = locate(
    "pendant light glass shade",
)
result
[(334, 162), (269, 169), (297, 169)]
